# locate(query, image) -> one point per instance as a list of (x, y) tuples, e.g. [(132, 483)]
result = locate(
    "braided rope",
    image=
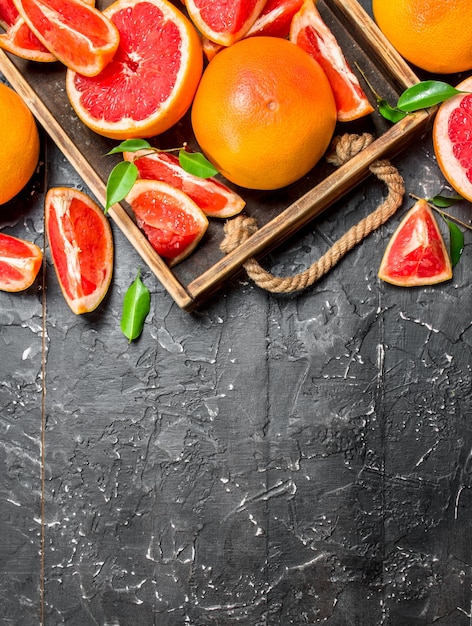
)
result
[(239, 229)]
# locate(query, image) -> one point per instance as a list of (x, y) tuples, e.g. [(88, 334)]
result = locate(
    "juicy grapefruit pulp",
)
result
[(81, 245), (309, 31), (171, 221), (20, 262), (18, 37), (213, 198), (416, 254), (74, 32), (452, 139), (150, 83), (224, 22)]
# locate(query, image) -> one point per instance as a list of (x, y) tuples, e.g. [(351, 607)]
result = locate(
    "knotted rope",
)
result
[(240, 228)]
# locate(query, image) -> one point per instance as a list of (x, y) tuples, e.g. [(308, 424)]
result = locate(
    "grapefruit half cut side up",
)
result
[(81, 245), (416, 254), (150, 83), (224, 22), (452, 139), (20, 262), (77, 34), (213, 197), (310, 32), (171, 221)]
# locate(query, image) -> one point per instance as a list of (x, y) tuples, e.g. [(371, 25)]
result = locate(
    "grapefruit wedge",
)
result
[(171, 221), (209, 194), (20, 262), (224, 22), (76, 33), (150, 83), (452, 139), (81, 245), (18, 38), (310, 32), (416, 254)]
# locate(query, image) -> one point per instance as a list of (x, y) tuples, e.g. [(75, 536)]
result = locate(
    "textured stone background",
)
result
[(265, 461)]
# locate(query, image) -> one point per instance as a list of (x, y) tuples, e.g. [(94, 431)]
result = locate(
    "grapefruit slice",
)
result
[(73, 31), (416, 253), (19, 263), (213, 197), (150, 83), (171, 221), (224, 22), (81, 244), (452, 139), (310, 32), (18, 38)]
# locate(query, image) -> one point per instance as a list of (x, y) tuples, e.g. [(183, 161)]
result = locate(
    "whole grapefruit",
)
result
[(264, 113), (434, 35)]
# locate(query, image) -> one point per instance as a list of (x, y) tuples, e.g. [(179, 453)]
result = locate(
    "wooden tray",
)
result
[(279, 214)]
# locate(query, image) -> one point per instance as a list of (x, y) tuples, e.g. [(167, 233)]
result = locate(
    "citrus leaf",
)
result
[(392, 114), (425, 94), (195, 163), (443, 202), (121, 179), (130, 145), (456, 242), (136, 306)]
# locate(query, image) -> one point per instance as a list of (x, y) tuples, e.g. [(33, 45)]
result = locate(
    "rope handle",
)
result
[(240, 228)]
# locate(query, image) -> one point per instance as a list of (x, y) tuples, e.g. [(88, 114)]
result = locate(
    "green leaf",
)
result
[(195, 163), (136, 306), (130, 145), (443, 202), (425, 94), (392, 114), (456, 242), (119, 184)]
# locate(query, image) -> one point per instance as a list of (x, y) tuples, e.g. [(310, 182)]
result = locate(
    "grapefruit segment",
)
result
[(224, 22), (171, 221), (18, 37), (20, 262), (150, 83), (81, 244), (310, 32), (452, 139), (213, 197), (74, 32), (416, 254)]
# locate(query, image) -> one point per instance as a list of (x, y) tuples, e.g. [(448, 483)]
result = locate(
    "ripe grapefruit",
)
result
[(150, 83), (434, 35), (310, 32), (171, 221), (264, 112), (19, 152), (81, 245), (452, 139), (73, 31), (224, 22), (20, 262), (18, 38), (416, 254), (213, 198)]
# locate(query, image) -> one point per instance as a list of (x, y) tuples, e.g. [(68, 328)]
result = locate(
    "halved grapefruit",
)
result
[(224, 22), (452, 139), (309, 31), (73, 31), (20, 262), (213, 197), (81, 245), (171, 221), (150, 83), (416, 253)]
